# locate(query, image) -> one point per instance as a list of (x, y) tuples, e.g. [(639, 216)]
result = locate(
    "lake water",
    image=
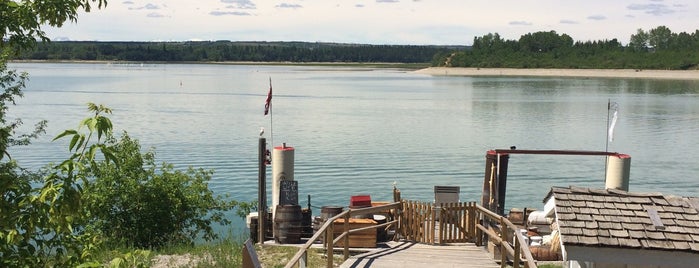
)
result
[(357, 131)]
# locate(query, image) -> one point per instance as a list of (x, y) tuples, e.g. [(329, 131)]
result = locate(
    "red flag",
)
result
[(268, 102)]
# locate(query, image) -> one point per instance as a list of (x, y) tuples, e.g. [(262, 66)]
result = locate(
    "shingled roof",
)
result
[(619, 219)]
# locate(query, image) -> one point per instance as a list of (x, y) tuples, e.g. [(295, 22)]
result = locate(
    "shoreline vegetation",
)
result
[(580, 73), (414, 66), (445, 71)]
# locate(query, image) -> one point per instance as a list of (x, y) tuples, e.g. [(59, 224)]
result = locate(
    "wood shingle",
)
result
[(615, 218)]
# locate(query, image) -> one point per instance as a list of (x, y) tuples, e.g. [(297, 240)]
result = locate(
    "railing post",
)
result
[(329, 244), (346, 238), (476, 221), (398, 215), (432, 223), (503, 235), (471, 220), (442, 225), (407, 226), (516, 258), (303, 261)]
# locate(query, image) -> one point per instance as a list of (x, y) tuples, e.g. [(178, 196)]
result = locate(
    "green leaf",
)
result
[(92, 107), (90, 265), (91, 153), (104, 125), (81, 141), (65, 133), (73, 141), (109, 156), (11, 236), (116, 262)]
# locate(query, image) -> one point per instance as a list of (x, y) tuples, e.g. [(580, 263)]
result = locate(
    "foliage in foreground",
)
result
[(46, 218), (140, 204), (83, 200), (43, 226)]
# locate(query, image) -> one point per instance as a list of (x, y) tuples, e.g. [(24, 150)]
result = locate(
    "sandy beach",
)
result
[(596, 73)]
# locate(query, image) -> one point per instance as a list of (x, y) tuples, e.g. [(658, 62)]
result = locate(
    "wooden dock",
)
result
[(411, 254)]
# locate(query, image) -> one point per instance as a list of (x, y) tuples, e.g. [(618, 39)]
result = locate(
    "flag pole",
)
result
[(271, 115), (606, 140)]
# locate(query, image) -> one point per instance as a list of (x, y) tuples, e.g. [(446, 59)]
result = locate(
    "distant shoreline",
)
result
[(592, 73), (414, 66), (692, 75)]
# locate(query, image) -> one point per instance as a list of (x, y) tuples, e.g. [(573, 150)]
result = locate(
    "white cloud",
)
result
[(155, 15), (148, 6), (596, 17), (654, 9), (287, 5), (520, 22), (241, 4), (228, 13), (376, 22)]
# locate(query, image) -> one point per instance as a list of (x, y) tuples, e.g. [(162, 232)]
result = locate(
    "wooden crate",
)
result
[(361, 239)]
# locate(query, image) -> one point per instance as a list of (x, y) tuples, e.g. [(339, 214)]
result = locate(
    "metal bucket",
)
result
[(287, 224), (361, 216), (327, 212), (381, 233)]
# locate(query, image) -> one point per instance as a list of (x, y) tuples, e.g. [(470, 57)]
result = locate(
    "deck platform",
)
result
[(411, 254)]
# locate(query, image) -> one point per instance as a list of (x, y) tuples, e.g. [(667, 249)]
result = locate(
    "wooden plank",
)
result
[(653, 215), (250, 259), (409, 254)]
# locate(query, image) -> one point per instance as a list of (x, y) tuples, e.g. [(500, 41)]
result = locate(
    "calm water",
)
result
[(357, 131)]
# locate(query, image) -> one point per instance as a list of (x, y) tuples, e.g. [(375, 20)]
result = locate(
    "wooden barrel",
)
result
[(287, 224), (542, 253), (326, 212)]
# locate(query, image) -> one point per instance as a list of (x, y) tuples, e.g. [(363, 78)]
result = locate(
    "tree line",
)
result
[(218, 51), (658, 48)]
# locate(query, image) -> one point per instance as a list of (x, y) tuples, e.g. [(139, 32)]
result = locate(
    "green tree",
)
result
[(139, 204), (660, 37), (43, 227), (639, 41), (21, 20), (37, 225)]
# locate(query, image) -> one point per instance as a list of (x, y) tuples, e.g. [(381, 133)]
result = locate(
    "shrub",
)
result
[(139, 204)]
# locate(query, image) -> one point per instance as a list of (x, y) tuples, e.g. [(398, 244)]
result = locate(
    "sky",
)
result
[(393, 22)]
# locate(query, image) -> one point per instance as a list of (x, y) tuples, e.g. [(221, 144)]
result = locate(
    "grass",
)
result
[(273, 256), (226, 252), (550, 265)]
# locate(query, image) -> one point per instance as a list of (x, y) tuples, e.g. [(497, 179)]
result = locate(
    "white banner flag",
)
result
[(611, 126)]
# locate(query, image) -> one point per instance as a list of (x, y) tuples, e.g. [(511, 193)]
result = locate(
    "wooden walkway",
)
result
[(411, 254)]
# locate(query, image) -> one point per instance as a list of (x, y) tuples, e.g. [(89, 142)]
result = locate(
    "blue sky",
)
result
[(417, 22)]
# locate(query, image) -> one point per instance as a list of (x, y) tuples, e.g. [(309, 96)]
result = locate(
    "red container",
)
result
[(360, 201)]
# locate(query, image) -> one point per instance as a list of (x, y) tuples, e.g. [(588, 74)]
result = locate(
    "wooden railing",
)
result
[(417, 221), (499, 232), (328, 229), (447, 223), (456, 224)]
